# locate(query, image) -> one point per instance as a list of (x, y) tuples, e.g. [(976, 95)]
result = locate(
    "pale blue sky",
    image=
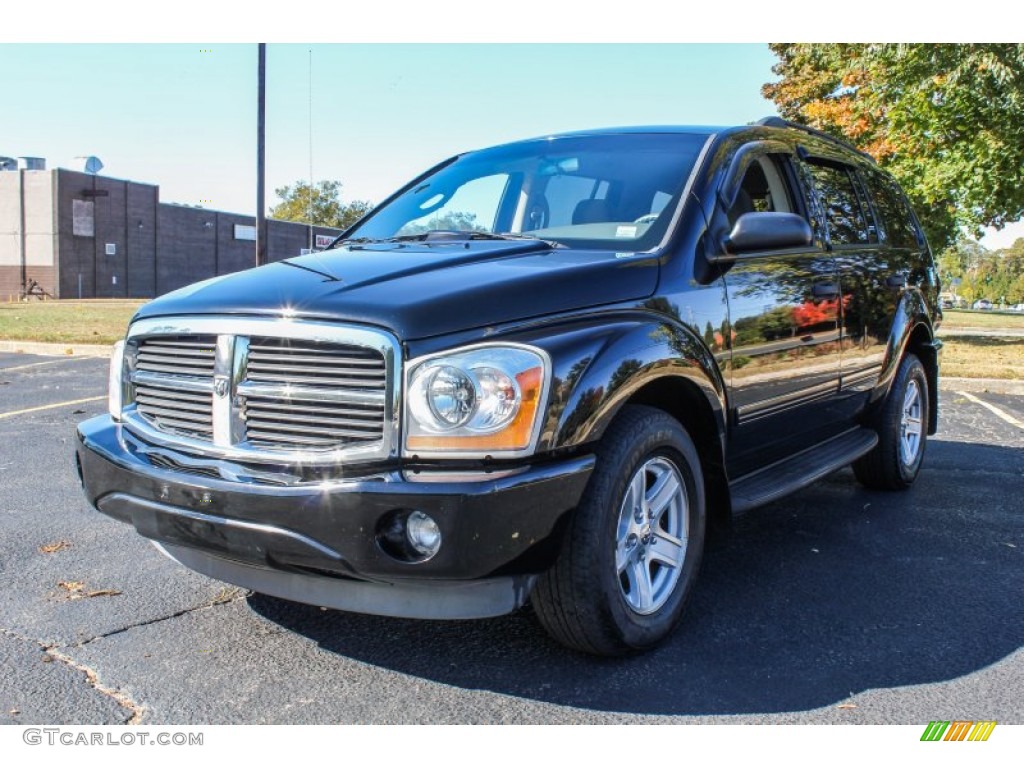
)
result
[(185, 119), (183, 115)]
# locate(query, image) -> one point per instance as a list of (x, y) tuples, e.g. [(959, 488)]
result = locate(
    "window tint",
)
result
[(843, 212), (896, 223)]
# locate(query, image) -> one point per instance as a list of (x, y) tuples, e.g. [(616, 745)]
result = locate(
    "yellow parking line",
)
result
[(997, 411), (9, 414)]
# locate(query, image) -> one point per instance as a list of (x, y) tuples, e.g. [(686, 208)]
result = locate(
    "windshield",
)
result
[(615, 191)]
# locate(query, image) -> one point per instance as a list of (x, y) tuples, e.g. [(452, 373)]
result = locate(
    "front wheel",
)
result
[(630, 557), (902, 422)]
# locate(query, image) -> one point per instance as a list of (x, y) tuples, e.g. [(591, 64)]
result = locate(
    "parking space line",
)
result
[(33, 365), (997, 411), (9, 414)]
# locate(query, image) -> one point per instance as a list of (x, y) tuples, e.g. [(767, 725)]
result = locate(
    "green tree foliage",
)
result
[(983, 274), (946, 120), (320, 204)]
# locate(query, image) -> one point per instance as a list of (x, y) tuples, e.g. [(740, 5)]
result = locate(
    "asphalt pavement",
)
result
[(836, 605)]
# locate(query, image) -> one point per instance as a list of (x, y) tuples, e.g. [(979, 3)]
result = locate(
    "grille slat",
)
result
[(183, 427), (341, 428), (178, 414), (158, 396), (329, 366), (263, 438), (317, 408), (319, 381)]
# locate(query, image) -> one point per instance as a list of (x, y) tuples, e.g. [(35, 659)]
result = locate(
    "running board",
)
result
[(782, 478)]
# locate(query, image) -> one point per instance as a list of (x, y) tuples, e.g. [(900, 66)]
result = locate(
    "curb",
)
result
[(56, 350), (997, 386)]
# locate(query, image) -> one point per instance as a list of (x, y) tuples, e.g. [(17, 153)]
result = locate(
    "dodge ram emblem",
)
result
[(220, 386)]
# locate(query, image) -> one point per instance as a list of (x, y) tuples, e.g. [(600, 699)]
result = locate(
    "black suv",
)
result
[(539, 372)]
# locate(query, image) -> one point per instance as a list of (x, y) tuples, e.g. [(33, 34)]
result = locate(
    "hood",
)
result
[(419, 290)]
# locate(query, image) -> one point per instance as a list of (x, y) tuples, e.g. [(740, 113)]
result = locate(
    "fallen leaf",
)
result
[(1013, 546), (847, 706), (103, 593), (47, 659), (57, 546), (77, 411), (15, 711), (76, 590)]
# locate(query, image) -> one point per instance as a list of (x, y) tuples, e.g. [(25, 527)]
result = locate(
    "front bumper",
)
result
[(318, 543)]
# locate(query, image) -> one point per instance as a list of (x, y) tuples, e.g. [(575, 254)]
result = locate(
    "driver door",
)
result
[(784, 315)]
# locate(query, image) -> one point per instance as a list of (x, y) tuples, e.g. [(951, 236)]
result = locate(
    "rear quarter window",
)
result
[(896, 222)]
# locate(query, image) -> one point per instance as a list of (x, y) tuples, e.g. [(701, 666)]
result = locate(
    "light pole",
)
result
[(261, 158)]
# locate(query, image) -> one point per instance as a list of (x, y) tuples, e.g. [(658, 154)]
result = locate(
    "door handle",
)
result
[(825, 290)]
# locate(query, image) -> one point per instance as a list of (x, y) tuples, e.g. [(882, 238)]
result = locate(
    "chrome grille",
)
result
[(278, 421), (301, 415), (320, 365), (168, 371), (264, 390)]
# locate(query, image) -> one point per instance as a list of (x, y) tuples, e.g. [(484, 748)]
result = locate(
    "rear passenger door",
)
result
[(872, 242)]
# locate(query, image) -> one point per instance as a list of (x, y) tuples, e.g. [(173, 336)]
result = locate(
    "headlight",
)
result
[(481, 401), (116, 381)]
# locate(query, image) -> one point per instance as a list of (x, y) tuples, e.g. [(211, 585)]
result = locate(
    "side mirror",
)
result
[(768, 231)]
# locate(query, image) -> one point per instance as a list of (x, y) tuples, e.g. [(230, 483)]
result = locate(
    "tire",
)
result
[(596, 598), (895, 462)]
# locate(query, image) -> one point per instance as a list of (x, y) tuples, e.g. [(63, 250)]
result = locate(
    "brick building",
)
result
[(80, 235)]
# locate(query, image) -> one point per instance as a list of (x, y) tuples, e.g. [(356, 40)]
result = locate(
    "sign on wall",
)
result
[(322, 241), (82, 219), (245, 232)]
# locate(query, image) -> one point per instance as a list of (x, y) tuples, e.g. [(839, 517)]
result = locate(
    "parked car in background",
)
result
[(538, 372), (982, 304)]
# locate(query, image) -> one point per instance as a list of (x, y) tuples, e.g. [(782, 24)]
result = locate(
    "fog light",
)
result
[(423, 534)]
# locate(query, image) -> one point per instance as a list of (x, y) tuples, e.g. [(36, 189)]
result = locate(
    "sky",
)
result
[(183, 115)]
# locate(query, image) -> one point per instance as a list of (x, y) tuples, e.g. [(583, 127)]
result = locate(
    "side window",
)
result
[(847, 224), (896, 223), (763, 189)]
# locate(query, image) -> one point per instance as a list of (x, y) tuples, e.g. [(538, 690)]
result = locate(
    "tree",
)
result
[(323, 201), (946, 120)]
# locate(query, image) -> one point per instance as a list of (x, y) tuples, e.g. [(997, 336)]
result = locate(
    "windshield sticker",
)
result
[(625, 230)]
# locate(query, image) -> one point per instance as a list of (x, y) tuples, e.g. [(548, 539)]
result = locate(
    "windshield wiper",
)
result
[(442, 235), (468, 234)]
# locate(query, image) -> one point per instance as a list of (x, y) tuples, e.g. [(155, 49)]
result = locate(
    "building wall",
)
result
[(27, 231), (136, 246)]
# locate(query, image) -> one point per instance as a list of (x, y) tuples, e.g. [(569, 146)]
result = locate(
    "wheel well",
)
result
[(920, 343), (685, 402)]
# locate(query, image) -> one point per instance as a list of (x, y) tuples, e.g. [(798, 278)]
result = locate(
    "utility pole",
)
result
[(261, 159)]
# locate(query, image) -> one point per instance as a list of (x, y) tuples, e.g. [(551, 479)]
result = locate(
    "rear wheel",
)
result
[(631, 555), (895, 462)]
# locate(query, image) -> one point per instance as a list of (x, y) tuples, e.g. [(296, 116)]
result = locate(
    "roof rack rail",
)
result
[(774, 121)]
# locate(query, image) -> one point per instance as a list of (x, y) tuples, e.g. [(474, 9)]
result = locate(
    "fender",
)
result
[(911, 319), (627, 356)]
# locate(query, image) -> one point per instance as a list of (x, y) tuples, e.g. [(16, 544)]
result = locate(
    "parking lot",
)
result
[(837, 605)]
